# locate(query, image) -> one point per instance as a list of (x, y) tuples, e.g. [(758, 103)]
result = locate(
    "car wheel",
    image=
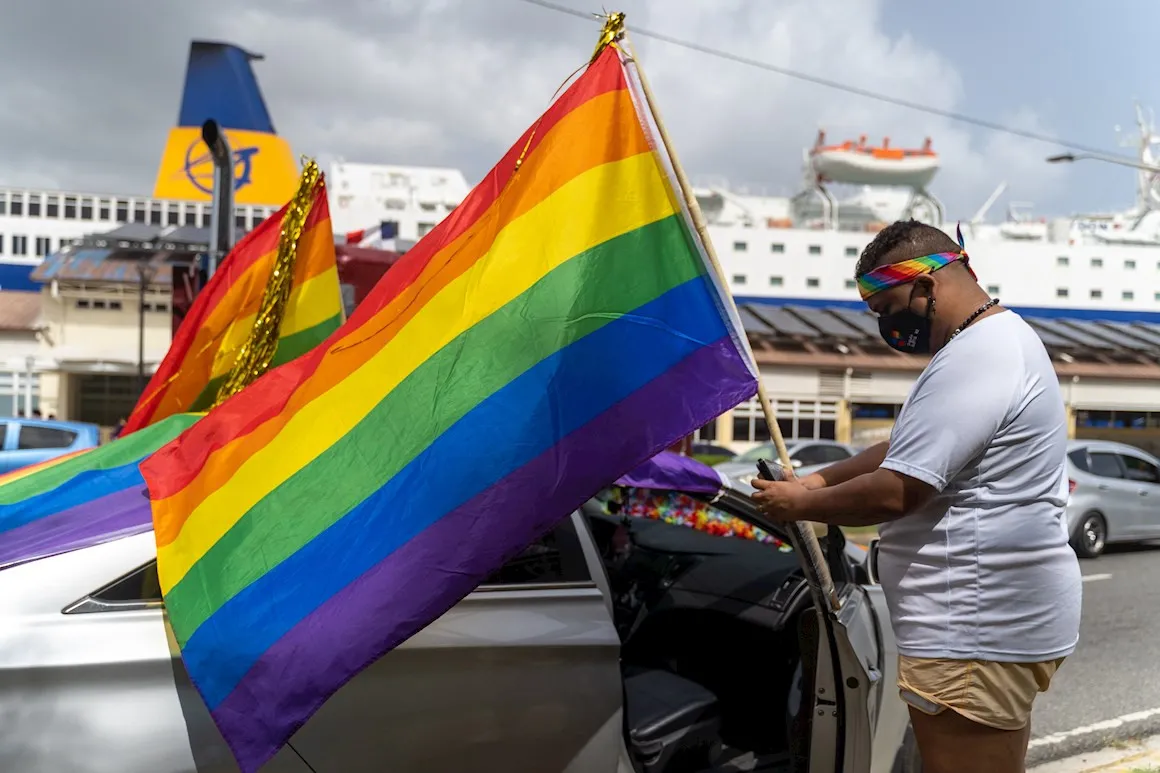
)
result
[(908, 760), (1089, 539)]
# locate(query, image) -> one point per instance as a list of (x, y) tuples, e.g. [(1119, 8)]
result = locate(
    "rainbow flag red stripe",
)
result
[(559, 328)]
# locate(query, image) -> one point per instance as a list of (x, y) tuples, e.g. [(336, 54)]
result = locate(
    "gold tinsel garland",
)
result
[(257, 353)]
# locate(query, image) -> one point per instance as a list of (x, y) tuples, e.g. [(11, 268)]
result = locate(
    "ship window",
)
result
[(813, 281), (851, 284), (83, 303), (1, 244), (777, 248), (43, 244), (19, 245), (1127, 295), (139, 212), (775, 281), (18, 203), (815, 249), (86, 209), (104, 211), (34, 205), (155, 213), (1061, 292), (851, 252), (1157, 296), (98, 304), (115, 305), (739, 279), (1129, 264), (992, 289), (1097, 294), (1097, 262), (52, 207), (122, 211), (3, 203), (172, 214), (1062, 260), (740, 246), (70, 207)]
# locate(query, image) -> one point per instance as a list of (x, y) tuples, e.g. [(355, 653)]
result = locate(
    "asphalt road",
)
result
[(1109, 689)]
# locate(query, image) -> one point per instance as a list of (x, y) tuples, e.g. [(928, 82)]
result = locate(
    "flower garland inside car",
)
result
[(679, 509)]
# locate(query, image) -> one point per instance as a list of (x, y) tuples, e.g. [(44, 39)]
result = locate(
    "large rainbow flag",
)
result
[(560, 327), (221, 321), (83, 499)]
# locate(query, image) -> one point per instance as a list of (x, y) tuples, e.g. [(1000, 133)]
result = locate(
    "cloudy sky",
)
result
[(94, 86)]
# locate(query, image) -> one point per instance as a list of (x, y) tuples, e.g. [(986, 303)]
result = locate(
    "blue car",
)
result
[(32, 441)]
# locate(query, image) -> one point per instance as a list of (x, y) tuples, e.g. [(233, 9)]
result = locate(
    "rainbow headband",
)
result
[(894, 274)]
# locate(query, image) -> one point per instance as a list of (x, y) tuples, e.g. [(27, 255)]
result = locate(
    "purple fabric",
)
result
[(374, 614), (113, 516), (674, 472)]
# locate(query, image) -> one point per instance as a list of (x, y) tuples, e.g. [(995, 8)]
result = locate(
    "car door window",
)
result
[(557, 557), (1140, 470), (139, 589), (811, 455), (831, 454), (33, 437), (1079, 458), (1105, 465)]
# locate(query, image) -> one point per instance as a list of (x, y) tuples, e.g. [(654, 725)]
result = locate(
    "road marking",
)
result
[(1098, 727), (1096, 577)]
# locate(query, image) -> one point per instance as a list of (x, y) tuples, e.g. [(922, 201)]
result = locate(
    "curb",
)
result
[(1093, 738)]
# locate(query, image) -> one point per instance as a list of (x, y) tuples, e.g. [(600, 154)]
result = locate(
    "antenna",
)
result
[(982, 213)]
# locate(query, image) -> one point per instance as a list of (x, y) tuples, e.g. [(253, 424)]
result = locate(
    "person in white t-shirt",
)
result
[(983, 589)]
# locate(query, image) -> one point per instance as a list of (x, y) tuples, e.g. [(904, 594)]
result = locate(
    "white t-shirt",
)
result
[(983, 571)]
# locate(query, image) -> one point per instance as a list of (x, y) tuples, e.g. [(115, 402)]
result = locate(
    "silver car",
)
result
[(1115, 495), (806, 456), (614, 644)]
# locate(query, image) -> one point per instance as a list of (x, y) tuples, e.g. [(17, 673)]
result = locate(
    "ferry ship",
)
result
[(797, 250)]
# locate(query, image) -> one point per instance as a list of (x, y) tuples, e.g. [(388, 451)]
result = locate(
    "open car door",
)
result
[(847, 672)]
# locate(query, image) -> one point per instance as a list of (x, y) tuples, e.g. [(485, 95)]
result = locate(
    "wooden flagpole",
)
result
[(805, 534)]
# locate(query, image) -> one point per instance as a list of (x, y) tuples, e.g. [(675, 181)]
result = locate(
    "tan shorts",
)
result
[(998, 695)]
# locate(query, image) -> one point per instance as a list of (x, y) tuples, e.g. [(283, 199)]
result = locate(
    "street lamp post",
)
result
[(1068, 158)]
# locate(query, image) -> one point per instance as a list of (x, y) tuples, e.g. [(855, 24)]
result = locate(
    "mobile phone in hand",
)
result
[(768, 470)]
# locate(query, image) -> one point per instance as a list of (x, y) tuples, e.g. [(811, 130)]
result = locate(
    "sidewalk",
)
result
[(1141, 756)]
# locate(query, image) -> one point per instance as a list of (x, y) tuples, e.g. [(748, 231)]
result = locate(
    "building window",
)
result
[(1062, 260), (155, 213), (52, 207), (815, 249), (104, 213), (425, 228), (17, 203), (84, 303), (43, 244), (1127, 295), (172, 214), (740, 246), (1061, 292), (70, 207), (86, 208), (34, 205), (139, 212), (851, 252), (739, 279), (240, 220), (777, 248), (191, 214), (993, 289), (813, 281), (1129, 263), (776, 281), (19, 245), (123, 211), (1097, 262), (1097, 294)]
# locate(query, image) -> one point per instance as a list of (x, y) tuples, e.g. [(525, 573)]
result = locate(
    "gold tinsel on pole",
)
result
[(257, 353)]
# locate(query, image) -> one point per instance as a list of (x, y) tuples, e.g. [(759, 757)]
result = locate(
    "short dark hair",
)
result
[(903, 240)]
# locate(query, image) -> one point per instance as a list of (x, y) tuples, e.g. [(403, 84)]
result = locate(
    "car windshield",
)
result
[(763, 451), (679, 509)]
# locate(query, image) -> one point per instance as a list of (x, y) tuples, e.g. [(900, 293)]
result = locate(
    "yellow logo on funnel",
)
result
[(265, 173)]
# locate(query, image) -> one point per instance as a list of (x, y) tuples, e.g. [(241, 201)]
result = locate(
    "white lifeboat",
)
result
[(857, 163)]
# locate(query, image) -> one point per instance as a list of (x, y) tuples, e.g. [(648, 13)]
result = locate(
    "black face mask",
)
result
[(906, 331)]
